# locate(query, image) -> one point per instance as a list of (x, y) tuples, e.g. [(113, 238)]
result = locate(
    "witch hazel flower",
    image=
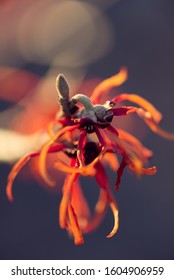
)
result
[(83, 131)]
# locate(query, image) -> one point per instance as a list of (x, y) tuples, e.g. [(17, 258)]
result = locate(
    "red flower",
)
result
[(83, 131)]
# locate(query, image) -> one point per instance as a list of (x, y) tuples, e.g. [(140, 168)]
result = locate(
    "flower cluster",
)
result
[(83, 131)]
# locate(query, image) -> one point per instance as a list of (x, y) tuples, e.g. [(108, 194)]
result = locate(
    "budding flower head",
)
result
[(68, 108), (63, 94), (62, 88), (87, 136)]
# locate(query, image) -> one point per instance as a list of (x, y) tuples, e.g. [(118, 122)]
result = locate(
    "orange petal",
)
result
[(102, 179), (108, 84), (147, 171), (135, 146), (87, 170), (135, 142), (44, 152), (14, 172), (114, 208), (124, 149), (52, 127), (67, 195), (112, 160), (78, 237), (81, 144), (148, 118), (132, 156), (99, 212), (157, 116), (80, 206), (120, 174)]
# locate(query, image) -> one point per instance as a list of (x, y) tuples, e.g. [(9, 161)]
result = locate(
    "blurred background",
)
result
[(87, 41)]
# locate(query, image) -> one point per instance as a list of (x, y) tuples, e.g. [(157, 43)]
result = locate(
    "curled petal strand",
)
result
[(122, 111), (80, 205), (44, 152), (125, 150), (20, 164), (157, 116), (99, 212), (147, 171), (149, 117), (108, 84), (87, 170), (112, 160), (114, 208), (81, 144), (78, 237), (102, 180), (119, 174), (135, 142), (66, 199), (52, 126), (153, 125), (14, 172)]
